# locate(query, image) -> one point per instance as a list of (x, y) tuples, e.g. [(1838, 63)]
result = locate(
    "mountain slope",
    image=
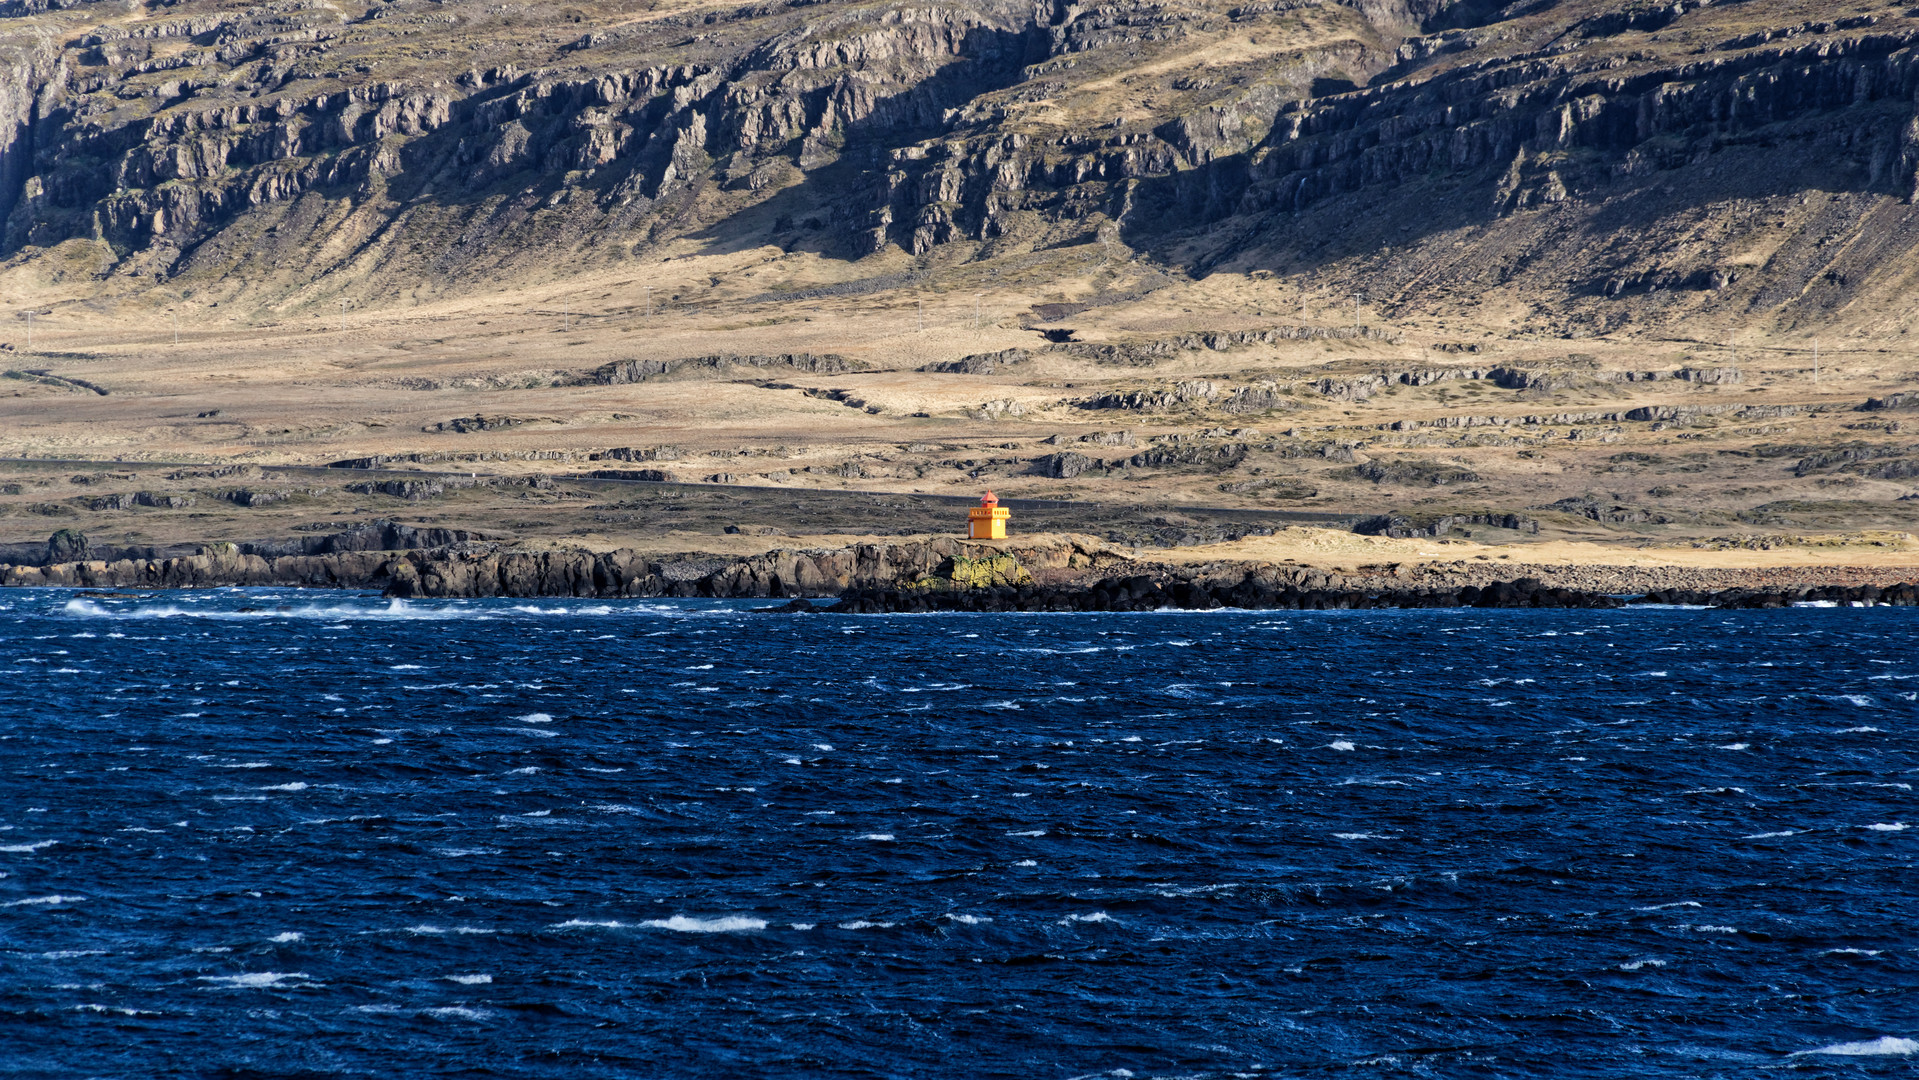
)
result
[(1590, 165)]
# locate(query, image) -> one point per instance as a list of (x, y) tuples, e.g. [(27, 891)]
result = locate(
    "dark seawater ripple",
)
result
[(334, 836)]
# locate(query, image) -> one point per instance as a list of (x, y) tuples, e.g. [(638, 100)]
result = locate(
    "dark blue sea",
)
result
[(258, 833)]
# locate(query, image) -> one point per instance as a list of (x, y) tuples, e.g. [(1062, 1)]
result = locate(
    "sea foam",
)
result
[(1883, 1046), (254, 979), (724, 924)]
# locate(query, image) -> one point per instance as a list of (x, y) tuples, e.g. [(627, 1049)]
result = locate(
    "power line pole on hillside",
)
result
[(343, 316), (1815, 361), (176, 326), (922, 304), (649, 301), (29, 329), (976, 302)]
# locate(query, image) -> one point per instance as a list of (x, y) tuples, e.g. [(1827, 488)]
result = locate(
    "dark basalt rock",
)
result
[(1146, 593), (1064, 465), (1407, 526), (798, 606), (67, 545)]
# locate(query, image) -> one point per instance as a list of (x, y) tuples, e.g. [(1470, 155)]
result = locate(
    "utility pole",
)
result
[(922, 304), (566, 315), (1356, 297), (1815, 361), (176, 327), (29, 329), (342, 316), (649, 301), (976, 297)]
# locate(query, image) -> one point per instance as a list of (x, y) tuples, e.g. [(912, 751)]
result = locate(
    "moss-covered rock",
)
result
[(961, 572)]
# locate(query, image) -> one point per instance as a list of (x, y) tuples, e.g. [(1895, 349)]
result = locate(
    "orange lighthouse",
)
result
[(988, 519)]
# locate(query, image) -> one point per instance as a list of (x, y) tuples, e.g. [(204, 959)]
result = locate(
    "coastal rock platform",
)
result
[(1050, 573)]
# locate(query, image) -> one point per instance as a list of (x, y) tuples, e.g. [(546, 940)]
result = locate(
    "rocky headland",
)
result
[(1046, 573)]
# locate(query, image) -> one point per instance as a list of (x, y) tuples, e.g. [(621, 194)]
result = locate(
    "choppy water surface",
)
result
[(330, 835)]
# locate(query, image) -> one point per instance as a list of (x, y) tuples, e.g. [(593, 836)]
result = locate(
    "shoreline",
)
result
[(1042, 573), (1142, 594)]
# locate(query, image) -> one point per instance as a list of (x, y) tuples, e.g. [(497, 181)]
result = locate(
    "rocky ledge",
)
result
[(1042, 573), (479, 568)]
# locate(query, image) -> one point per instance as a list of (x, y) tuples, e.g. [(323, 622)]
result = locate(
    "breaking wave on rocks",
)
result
[(264, 833)]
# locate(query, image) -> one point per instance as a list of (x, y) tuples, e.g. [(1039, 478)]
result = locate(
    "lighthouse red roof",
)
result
[(990, 500)]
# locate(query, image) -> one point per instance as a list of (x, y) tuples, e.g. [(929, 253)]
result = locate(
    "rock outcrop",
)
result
[(1057, 573), (458, 564), (1407, 526), (623, 372), (67, 545), (987, 570)]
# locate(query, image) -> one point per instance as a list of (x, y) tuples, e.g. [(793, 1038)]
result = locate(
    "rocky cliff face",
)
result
[(158, 135), (27, 66), (267, 147), (469, 569)]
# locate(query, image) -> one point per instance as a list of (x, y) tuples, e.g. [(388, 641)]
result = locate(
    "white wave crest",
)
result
[(395, 610), (724, 924), (254, 979), (443, 1012), (1883, 1046), (456, 1012), (27, 849)]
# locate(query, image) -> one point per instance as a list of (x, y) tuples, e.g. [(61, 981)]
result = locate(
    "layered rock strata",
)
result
[(450, 141)]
